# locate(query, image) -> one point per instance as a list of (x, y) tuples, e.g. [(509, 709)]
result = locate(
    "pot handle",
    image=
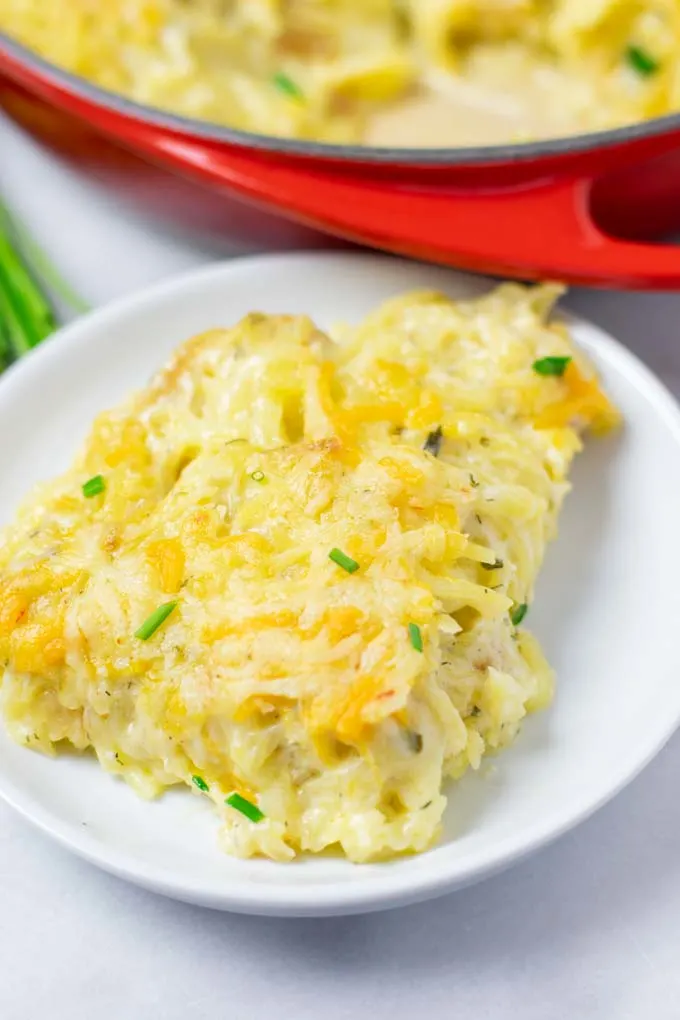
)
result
[(536, 230)]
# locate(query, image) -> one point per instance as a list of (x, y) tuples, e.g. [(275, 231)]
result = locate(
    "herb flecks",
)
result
[(153, 622), (200, 783), (518, 612), (343, 560), (415, 741), (433, 443), (94, 486), (642, 61), (287, 86), (246, 807), (553, 365), (415, 636), (497, 564)]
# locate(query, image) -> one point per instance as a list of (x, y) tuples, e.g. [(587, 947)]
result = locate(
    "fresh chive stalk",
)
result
[(12, 226), (26, 317), (5, 345), (16, 341)]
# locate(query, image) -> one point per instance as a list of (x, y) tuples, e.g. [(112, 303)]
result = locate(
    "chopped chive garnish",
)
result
[(518, 613), (343, 560), (473, 482), (551, 366), (257, 476), (200, 783), (433, 443), (496, 565), (287, 85), (641, 61), (94, 486), (415, 636), (240, 803), (153, 622)]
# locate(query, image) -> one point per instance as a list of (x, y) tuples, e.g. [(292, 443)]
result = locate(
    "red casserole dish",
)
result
[(582, 209)]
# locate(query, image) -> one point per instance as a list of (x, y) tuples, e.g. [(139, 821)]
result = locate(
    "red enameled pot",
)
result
[(582, 209)]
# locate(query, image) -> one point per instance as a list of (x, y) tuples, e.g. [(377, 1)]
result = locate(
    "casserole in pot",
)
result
[(378, 72), (321, 99)]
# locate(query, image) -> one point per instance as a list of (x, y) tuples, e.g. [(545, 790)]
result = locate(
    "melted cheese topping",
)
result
[(423, 445), (389, 72)]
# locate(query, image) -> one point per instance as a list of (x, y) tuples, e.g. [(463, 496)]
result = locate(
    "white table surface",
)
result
[(589, 928)]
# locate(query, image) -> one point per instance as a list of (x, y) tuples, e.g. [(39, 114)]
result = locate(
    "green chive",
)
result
[(153, 622), (257, 476), (6, 355), (94, 486), (415, 636), (344, 561), (18, 334), (200, 783), (28, 314), (287, 86), (641, 61), (48, 273), (551, 366), (240, 803), (518, 612)]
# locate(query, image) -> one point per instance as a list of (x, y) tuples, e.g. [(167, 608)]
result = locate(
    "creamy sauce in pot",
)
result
[(429, 120), (489, 106)]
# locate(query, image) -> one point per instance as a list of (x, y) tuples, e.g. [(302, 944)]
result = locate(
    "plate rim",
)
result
[(386, 887)]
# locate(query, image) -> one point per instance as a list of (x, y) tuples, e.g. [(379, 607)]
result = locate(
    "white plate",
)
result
[(606, 610)]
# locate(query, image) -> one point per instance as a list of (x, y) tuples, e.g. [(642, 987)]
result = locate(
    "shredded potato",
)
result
[(343, 531), (314, 69)]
